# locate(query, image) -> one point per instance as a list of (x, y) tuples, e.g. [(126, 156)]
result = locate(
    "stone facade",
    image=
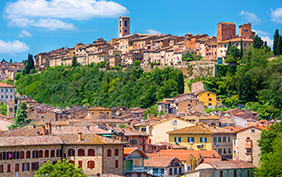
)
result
[(225, 31)]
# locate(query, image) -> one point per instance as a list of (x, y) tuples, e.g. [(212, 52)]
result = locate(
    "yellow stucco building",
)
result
[(209, 98), (195, 137)]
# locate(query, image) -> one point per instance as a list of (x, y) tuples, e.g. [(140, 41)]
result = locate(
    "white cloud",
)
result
[(13, 47), (151, 31), (276, 15), (251, 17), (265, 36), (25, 33)]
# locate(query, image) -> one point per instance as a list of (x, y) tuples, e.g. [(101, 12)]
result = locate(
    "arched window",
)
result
[(27, 154), (35, 154), (90, 164), (81, 152), (109, 152), (16, 155), (46, 153), (40, 154), (53, 153), (10, 155), (59, 153), (116, 152), (71, 152), (91, 152), (22, 155)]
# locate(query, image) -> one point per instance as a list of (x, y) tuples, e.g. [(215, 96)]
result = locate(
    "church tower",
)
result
[(123, 26)]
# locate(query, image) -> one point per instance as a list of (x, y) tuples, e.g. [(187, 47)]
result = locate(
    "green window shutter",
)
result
[(179, 139), (206, 139), (192, 139), (188, 139), (174, 139), (201, 140), (214, 139), (229, 139)]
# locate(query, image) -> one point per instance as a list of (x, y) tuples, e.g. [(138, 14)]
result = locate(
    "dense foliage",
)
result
[(87, 85), (29, 65), (270, 145), (256, 83), (20, 117), (62, 169)]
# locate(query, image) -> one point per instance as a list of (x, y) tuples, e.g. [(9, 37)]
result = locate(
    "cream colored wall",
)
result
[(184, 141), (159, 130)]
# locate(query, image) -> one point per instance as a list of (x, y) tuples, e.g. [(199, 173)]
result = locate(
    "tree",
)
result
[(74, 61), (136, 64), (275, 42), (62, 169), (180, 82), (21, 117), (233, 55), (29, 64), (279, 48), (3, 108), (11, 61), (228, 48), (270, 145), (257, 42), (17, 76), (241, 49), (187, 57)]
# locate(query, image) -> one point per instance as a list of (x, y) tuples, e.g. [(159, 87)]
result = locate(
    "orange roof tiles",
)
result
[(162, 161), (128, 150), (6, 85), (197, 129)]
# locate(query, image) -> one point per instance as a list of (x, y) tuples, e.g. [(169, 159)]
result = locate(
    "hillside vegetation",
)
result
[(86, 85), (255, 83)]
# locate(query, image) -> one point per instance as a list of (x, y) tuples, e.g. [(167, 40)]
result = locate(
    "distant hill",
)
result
[(86, 85)]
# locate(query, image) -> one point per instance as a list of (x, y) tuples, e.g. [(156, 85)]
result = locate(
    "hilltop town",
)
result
[(189, 125)]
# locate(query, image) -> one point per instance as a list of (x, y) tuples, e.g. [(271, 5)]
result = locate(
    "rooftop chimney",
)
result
[(43, 129), (79, 136)]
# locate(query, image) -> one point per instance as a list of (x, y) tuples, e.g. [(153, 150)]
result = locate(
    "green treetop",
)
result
[(21, 117), (275, 42)]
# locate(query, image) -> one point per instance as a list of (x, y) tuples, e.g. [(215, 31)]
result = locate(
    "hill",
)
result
[(86, 85)]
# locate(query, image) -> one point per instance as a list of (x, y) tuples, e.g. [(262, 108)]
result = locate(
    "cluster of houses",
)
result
[(120, 141), (9, 70), (159, 49)]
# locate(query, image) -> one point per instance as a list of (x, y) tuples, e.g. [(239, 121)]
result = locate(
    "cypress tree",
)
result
[(74, 61), (257, 42), (228, 48), (275, 42), (279, 46)]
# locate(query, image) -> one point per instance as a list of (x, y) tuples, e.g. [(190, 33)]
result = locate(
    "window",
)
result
[(177, 139), (221, 174), (116, 163), (219, 151), (125, 23), (1, 168), (22, 155), (53, 153), (90, 164), (40, 154), (34, 165), (237, 44), (224, 151), (203, 139), (116, 152), (6, 90), (11, 96), (190, 140), (8, 167), (125, 31), (189, 105), (81, 152), (170, 171), (188, 168), (27, 154), (210, 104), (229, 150), (249, 43), (174, 122), (229, 32), (34, 154), (235, 173), (234, 141), (229, 139), (80, 164), (91, 152), (219, 139), (245, 44), (46, 153), (72, 162), (225, 45), (180, 171), (224, 139), (11, 90), (214, 139), (221, 46), (109, 152), (17, 167), (210, 99), (71, 152), (25, 167), (253, 131), (6, 96), (59, 153)]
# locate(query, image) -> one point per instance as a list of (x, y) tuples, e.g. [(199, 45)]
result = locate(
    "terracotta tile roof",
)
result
[(197, 129), (29, 140), (22, 131), (87, 139), (6, 85), (216, 129), (243, 164), (165, 120), (128, 150), (162, 161), (128, 132), (260, 128), (236, 40), (77, 129), (236, 164)]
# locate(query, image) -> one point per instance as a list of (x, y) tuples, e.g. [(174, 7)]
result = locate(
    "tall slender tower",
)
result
[(11, 109), (123, 26)]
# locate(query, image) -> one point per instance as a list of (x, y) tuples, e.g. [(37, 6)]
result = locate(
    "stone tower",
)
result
[(225, 31), (11, 109), (123, 26), (245, 30)]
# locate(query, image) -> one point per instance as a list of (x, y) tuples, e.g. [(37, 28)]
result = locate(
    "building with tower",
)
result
[(245, 30), (226, 31), (123, 26), (8, 97)]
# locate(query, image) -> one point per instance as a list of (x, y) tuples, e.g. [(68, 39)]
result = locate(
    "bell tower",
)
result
[(11, 109), (123, 26)]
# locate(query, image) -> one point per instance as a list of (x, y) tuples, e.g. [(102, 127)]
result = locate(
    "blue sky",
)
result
[(33, 26)]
